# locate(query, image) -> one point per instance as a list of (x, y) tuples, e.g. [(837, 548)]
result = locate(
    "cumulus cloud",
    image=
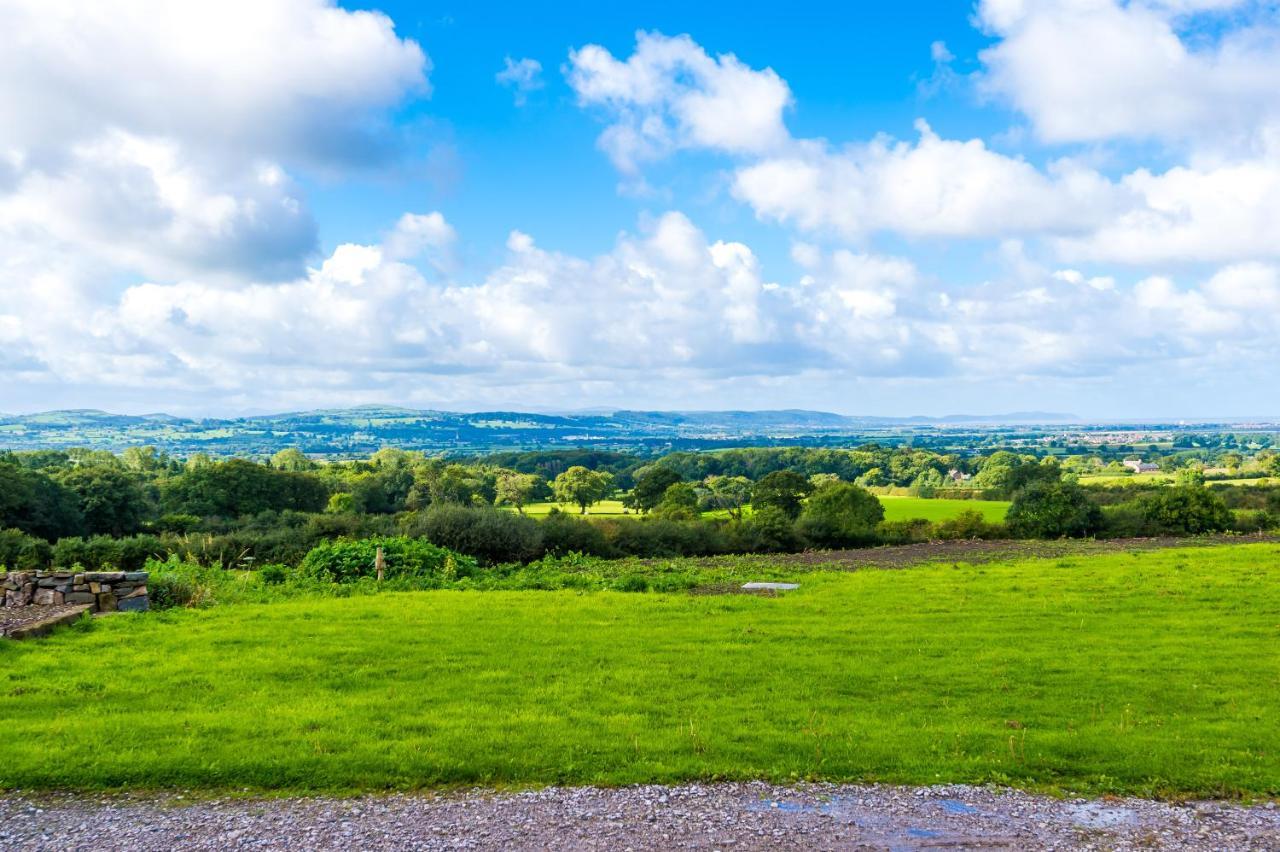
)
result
[(665, 306), (936, 187), (1086, 70), (671, 94), (158, 137), (521, 76)]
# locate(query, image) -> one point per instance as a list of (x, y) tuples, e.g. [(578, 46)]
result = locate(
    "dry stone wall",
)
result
[(103, 591)]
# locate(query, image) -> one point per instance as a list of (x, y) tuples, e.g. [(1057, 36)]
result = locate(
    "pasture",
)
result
[(1150, 672), (941, 509), (895, 509)]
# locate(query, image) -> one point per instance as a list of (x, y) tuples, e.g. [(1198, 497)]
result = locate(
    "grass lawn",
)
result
[(941, 509), (1148, 672), (604, 507), (1112, 478), (895, 508)]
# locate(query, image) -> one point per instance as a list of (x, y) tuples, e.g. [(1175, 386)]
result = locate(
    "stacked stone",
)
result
[(104, 591)]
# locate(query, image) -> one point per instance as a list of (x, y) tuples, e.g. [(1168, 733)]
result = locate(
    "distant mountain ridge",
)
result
[(349, 431)]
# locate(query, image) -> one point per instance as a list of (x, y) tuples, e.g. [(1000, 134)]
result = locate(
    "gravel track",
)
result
[(705, 817)]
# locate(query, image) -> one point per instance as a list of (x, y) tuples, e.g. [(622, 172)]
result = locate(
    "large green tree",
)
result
[(784, 490), (112, 500), (582, 487), (651, 485)]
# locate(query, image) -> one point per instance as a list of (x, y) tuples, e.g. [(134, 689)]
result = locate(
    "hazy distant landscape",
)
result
[(352, 432)]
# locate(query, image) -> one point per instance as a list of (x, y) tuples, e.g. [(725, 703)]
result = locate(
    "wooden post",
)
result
[(380, 563)]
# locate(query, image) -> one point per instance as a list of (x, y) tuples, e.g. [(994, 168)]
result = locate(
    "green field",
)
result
[(604, 507), (895, 508), (1151, 672), (941, 509)]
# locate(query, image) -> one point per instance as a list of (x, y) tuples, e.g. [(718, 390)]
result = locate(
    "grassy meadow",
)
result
[(941, 509), (1151, 672), (895, 508)]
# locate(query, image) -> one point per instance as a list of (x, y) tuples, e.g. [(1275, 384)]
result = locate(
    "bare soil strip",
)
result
[(977, 551)]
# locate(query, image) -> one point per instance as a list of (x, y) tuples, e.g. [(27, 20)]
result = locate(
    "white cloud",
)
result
[(665, 309), (521, 76), (936, 187), (1216, 214), (157, 137), (670, 94), (1085, 70)]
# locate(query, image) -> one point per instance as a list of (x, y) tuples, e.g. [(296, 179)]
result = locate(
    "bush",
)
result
[(1186, 510), (102, 552), (563, 534), (652, 537), (1252, 521), (839, 515), (970, 525), (1124, 520), (23, 552), (345, 560), (769, 530), (1047, 509), (273, 575), (491, 535), (911, 531)]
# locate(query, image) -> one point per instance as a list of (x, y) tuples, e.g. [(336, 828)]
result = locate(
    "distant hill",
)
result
[(363, 429)]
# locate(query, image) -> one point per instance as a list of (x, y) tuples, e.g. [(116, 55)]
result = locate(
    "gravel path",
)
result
[(713, 816), (16, 617)]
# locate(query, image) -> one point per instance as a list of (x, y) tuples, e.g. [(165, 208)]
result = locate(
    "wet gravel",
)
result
[(706, 817)]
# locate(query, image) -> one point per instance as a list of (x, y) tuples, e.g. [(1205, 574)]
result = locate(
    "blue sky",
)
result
[(921, 207)]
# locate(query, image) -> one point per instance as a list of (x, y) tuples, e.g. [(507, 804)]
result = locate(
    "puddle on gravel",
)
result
[(1097, 815), (955, 806)]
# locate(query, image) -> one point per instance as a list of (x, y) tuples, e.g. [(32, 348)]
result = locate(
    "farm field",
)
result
[(1109, 478), (895, 508), (941, 509), (604, 507), (1152, 672)]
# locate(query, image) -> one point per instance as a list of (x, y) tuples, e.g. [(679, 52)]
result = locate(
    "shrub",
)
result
[(1125, 520), (1252, 521), (563, 534), (273, 575), (23, 552), (769, 530), (970, 525), (1053, 509), (346, 560), (1186, 510), (840, 514), (905, 532), (491, 535), (102, 551), (661, 537)]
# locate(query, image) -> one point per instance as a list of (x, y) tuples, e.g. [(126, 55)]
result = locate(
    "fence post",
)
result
[(380, 563)]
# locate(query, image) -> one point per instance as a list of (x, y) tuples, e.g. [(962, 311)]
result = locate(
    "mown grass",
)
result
[(1155, 672), (941, 508), (895, 509)]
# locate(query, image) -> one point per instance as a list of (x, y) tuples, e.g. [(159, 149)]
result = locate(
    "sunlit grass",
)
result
[(1142, 672)]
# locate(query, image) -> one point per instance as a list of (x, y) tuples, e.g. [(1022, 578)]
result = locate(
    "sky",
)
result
[(245, 206)]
